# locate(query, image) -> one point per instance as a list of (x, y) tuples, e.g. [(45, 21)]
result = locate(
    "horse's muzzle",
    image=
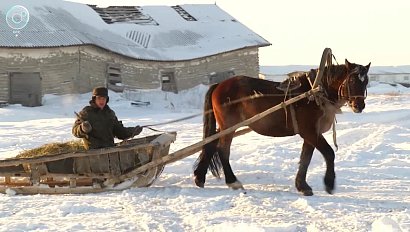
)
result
[(357, 105)]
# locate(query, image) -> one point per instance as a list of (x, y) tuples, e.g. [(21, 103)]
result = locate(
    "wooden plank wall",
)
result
[(79, 69), (93, 69), (4, 86), (58, 67), (188, 74)]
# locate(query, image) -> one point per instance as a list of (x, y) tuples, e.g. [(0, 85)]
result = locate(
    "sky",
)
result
[(362, 31)]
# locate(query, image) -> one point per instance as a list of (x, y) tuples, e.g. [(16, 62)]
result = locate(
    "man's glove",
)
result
[(86, 127), (137, 130)]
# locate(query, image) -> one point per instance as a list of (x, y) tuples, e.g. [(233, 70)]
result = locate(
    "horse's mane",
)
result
[(331, 73), (335, 72)]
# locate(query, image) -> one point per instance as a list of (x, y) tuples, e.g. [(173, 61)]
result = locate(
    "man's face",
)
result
[(100, 101)]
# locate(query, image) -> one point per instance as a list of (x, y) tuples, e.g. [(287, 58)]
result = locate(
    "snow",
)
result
[(372, 168), (385, 224)]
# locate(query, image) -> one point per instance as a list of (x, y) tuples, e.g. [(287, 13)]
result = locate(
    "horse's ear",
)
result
[(368, 66), (348, 64)]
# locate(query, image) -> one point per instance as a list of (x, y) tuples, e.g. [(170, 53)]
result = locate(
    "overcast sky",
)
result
[(299, 30)]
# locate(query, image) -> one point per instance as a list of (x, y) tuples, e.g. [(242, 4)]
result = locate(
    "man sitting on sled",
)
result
[(97, 124)]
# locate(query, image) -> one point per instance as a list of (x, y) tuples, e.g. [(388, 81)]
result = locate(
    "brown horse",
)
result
[(341, 84)]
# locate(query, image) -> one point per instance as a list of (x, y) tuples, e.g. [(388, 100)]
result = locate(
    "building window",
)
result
[(114, 79), (406, 78), (168, 82), (216, 77)]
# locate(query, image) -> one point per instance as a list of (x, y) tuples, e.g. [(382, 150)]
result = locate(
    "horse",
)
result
[(310, 118)]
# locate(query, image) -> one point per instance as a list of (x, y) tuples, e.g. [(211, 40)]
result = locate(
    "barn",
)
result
[(68, 47)]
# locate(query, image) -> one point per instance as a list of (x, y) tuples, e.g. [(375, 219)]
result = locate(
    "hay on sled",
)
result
[(52, 149)]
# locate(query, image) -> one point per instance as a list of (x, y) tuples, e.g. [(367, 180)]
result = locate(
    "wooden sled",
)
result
[(91, 171)]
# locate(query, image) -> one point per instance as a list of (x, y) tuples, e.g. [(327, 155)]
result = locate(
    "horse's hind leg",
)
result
[(224, 147), (305, 158), (203, 163)]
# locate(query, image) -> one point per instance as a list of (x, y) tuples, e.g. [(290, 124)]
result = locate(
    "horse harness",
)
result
[(293, 83)]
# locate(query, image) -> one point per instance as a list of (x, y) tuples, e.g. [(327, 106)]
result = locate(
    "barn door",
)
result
[(25, 89)]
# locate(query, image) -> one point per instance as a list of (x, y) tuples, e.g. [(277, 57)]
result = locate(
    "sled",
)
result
[(92, 171)]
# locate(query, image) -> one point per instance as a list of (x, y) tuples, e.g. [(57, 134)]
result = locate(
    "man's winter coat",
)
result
[(105, 126)]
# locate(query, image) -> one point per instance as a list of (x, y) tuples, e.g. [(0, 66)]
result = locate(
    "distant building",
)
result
[(391, 74), (70, 47), (388, 74)]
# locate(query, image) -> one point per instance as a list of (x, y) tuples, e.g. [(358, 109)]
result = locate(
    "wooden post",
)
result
[(187, 151)]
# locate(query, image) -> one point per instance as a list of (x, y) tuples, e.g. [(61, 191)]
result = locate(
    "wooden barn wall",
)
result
[(93, 68), (4, 86), (140, 74), (193, 73), (188, 74), (135, 73), (58, 67), (79, 69)]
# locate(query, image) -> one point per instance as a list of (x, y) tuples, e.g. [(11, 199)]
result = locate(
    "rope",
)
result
[(334, 133), (173, 121), (254, 96)]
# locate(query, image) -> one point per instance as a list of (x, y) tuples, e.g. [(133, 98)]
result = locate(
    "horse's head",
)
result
[(354, 87)]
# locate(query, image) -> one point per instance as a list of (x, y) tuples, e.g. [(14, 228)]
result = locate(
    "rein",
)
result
[(254, 96)]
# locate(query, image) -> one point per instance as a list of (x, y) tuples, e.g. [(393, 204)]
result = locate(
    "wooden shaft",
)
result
[(326, 57), (190, 150)]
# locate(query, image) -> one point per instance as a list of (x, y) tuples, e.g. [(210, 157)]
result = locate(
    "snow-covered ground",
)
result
[(372, 168)]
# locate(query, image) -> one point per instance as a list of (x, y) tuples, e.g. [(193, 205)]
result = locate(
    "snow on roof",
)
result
[(170, 37)]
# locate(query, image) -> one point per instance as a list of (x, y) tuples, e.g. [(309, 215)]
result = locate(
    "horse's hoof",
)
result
[(304, 188), (199, 183), (329, 190), (329, 183), (329, 186), (236, 185), (308, 192)]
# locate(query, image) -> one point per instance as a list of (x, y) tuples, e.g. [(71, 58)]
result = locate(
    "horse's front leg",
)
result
[(305, 158), (329, 156)]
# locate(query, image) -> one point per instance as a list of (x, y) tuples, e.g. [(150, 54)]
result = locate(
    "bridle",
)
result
[(344, 92)]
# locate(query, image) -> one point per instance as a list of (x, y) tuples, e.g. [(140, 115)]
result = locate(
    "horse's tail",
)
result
[(210, 149)]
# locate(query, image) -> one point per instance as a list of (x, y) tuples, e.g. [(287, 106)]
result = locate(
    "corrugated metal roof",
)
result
[(59, 23)]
